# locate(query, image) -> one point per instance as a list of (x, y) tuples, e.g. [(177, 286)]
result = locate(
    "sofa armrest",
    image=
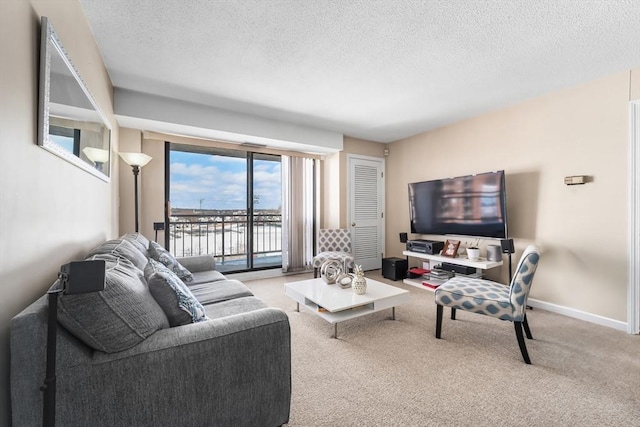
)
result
[(233, 370), (198, 263)]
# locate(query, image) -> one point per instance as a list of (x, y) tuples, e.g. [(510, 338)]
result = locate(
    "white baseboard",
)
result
[(255, 275), (577, 314)]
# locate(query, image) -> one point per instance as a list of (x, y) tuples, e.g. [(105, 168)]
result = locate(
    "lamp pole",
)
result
[(49, 385), (75, 278), (136, 172)]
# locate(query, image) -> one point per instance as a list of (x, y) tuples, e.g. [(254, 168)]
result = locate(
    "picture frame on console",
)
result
[(451, 248)]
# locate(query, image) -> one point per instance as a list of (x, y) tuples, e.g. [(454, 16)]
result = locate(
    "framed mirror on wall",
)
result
[(70, 123)]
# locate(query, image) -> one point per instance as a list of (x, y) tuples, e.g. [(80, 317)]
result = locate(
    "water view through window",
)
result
[(225, 203)]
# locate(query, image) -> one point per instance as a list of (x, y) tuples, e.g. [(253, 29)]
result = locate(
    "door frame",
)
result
[(633, 286), (383, 206), (250, 156)]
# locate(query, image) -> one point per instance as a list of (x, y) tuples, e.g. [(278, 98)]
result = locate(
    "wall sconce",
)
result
[(98, 156), (136, 161), (577, 179)]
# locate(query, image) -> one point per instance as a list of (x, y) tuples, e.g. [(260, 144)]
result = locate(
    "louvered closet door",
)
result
[(366, 210)]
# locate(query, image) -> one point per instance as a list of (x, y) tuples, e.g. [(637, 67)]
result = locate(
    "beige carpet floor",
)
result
[(381, 372)]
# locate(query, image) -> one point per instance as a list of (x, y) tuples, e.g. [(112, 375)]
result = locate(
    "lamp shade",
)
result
[(135, 159), (96, 155)]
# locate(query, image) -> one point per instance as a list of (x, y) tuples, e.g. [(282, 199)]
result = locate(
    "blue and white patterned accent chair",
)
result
[(333, 243), (492, 298)]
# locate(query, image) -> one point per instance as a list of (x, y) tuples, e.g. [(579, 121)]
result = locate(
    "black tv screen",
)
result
[(472, 205)]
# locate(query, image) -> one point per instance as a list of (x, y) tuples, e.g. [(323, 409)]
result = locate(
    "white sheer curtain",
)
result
[(298, 195)]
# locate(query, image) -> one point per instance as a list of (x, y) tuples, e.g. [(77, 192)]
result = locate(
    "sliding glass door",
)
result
[(226, 203)]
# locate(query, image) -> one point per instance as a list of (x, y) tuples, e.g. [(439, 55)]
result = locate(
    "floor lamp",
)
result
[(75, 278), (136, 161), (98, 156)]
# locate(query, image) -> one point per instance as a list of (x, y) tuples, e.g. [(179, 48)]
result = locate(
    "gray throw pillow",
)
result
[(123, 249), (139, 241), (175, 298), (159, 253), (117, 318)]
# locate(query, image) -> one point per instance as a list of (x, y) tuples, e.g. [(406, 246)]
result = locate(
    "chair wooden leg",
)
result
[(315, 273), (439, 310), (527, 331), (453, 314), (523, 347)]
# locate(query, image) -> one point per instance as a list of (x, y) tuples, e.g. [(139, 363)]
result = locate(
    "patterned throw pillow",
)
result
[(159, 253), (176, 300)]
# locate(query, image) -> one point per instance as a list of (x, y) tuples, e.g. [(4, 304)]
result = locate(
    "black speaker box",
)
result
[(460, 269), (403, 237), (394, 268), (507, 246)]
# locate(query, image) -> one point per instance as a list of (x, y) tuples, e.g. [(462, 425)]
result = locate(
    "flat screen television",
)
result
[(472, 205)]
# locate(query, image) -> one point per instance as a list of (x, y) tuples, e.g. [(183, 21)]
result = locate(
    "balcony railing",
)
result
[(225, 237)]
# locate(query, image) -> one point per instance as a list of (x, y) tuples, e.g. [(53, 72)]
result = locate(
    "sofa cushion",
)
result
[(234, 306), (139, 241), (222, 290), (175, 298), (117, 318), (159, 253), (206, 277), (123, 249)]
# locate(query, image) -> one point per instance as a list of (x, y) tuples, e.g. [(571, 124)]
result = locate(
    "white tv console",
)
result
[(479, 265)]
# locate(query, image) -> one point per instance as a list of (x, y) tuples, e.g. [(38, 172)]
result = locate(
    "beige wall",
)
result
[(582, 230), (51, 212), (152, 182), (634, 90)]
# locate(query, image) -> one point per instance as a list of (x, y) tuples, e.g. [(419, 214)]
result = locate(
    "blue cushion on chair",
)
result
[(477, 296)]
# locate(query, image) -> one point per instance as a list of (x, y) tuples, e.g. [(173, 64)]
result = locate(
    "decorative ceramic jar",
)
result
[(330, 270), (359, 283), (473, 253)]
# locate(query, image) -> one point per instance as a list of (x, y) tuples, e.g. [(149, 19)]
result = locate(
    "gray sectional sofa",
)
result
[(150, 351)]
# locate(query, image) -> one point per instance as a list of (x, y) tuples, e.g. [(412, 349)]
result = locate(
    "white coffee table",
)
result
[(334, 304)]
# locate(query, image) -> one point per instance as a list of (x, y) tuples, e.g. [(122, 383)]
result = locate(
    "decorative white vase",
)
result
[(473, 254), (359, 283)]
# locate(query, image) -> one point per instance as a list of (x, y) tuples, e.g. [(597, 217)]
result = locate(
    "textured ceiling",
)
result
[(374, 69)]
